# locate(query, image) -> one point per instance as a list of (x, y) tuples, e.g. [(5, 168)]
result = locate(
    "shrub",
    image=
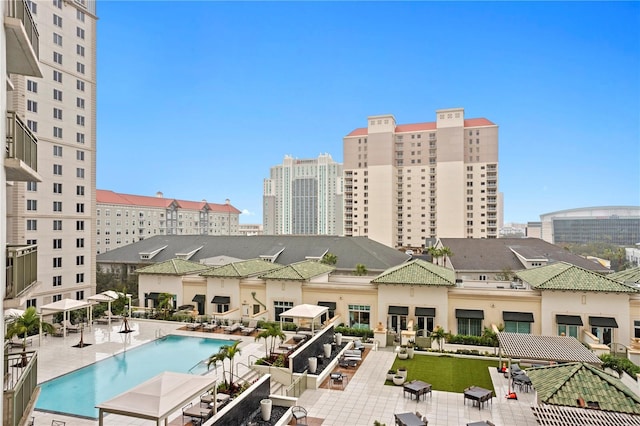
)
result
[(462, 339), (356, 332), (619, 365)]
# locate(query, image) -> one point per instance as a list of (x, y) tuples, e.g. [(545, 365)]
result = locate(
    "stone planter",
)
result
[(327, 350), (410, 352), (398, 380), (402, 373), (390, 376), (403, 355), (338, 339), (313, 365), (265, 408)]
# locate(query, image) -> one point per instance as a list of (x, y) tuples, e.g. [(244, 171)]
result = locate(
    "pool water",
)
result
[(77, 393)]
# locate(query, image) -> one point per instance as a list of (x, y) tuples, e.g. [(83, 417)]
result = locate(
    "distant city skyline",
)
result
[(200, 99)]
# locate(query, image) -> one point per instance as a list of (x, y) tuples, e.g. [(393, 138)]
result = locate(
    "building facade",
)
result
[(611, 224), (56, 106), (124, 219), (406, 183), (304, 197)]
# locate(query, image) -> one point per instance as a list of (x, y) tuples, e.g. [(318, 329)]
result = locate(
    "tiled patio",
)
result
[(364, 399)]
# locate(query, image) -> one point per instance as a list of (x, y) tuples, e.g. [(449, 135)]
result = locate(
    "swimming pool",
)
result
[(77, 393)]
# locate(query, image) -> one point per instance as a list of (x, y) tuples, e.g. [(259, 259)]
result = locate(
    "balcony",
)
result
[(22, 269), (23, 51), (21, 160)]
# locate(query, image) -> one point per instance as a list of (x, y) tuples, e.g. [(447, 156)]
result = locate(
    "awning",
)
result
[(425, 312), (603, 322), (517, 316), (221, 300), (198, 298), (398, 310), (151, 296), (330, 305), (470, 313), (568, 319)]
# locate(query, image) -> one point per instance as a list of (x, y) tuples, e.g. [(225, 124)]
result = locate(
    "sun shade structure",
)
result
[(306, 311), (545, 348), (158, 397), (64, 306), (550, 415)]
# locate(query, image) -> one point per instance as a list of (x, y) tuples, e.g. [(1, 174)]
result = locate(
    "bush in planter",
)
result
[(356, 332), (390, 374)]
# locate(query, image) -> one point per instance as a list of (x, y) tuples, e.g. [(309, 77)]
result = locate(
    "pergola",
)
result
[(108, 297), (305, 311), (544, 348), (64, 306), (157, 398)]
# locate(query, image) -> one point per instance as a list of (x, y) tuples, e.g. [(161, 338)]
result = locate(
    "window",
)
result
[(636, 329), (57, 95), (57, 20), (57, 188), (80, 67), (57, 150), (34, 10), (470, 326), (57, 243), (79, 278), (80, 155), (32, 86), (79, 260), (80, 15), (57, 3), (57, 169), (57, 58), (57, 262), (80, 120), (80, 172), (57, 39), (32, 225), (80, 32), (57, 280), (79, 242), (79, 207), (80, 85), (31, 302), (80, 50), (57, 297), (79, 225), (32, 186), (279, 307), (57, 225), (80, 103), (32, 106), (57, 132), (80, 295), (426, 323), (517, 327), (57, 206), (57, 76), (57, 113), (360, 316), (80, 138), (32, 205), (32, 125), (80, 190)]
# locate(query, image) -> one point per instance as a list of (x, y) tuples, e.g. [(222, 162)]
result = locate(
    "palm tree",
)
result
[(434, 253), (361, 269), (165, 303), (329, 259), (232, 351), (271, 332), (226, 352), (444, 252), (22, 325), (439, 334), (221, 355)]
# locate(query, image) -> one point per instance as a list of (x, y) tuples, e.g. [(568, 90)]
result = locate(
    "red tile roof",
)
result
[(417, 127), (110, 197)]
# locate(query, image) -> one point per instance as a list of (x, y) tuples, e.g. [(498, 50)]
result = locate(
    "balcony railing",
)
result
[(21, 145), (22, 269), (19, 9), (21, 380)]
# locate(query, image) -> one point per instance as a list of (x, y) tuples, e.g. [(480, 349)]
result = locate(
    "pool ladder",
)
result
[(203, 361), (160, 334)]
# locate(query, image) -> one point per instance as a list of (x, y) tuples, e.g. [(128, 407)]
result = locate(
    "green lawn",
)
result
[(446, 373)]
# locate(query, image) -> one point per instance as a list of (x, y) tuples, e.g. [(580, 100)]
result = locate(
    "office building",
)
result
[(303, 197), (124, 219), (55, 106), (618, 225), (406, 183)]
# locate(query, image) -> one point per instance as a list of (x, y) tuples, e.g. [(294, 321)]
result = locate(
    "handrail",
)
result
[(202, 361)]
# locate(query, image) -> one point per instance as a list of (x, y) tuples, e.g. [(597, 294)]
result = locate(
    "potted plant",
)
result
[(390, 374), (402, 371), (410, 348), (398, 380), (403, 354)]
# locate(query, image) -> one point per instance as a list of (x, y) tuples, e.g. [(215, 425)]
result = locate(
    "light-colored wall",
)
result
[(451, 189), (412, 296), (381, 209)]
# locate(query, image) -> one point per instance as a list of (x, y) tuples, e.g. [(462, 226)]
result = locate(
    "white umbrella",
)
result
[(11, 313)]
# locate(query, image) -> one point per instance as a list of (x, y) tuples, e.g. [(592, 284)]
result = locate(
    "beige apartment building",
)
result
[(54, 104), (405, 183), (124, 219)]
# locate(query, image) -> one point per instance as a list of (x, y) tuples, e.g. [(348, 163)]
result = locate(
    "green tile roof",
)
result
[(564, 276), (627, 276), (245, 268), (563, 384), (174, 267), (417, 272), (300, 271)]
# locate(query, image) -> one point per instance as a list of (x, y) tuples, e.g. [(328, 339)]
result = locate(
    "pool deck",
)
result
[(363, 400)]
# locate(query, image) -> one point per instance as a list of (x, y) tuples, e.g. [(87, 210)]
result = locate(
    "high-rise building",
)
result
[(303, 197), (52, 101), (124, 218), (406, 183)]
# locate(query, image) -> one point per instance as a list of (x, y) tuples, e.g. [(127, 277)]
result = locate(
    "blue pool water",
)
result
[(77, 393)]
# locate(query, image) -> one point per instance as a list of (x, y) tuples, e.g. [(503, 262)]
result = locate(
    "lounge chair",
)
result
[(71, 328), (109, 314), (210, 326), (353, 354), (230, 329), (17, 341), (347, 363), (57, 330), (357, 344), (253, 326), (193, 326)]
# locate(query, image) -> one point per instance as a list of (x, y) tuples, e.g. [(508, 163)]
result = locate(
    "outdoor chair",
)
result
[(299, 413), (253, 326), (210, 326), (71, 327)]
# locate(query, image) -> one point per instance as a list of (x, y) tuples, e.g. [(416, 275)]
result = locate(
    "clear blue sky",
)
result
[(199, 99)]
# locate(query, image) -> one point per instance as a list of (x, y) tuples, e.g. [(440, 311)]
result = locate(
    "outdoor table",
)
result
[(522, 381), (478, 394), (417, 388), (408, 419)]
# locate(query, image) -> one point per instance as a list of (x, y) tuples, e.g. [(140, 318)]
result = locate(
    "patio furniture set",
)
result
[(410, 419), (478, 396)]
